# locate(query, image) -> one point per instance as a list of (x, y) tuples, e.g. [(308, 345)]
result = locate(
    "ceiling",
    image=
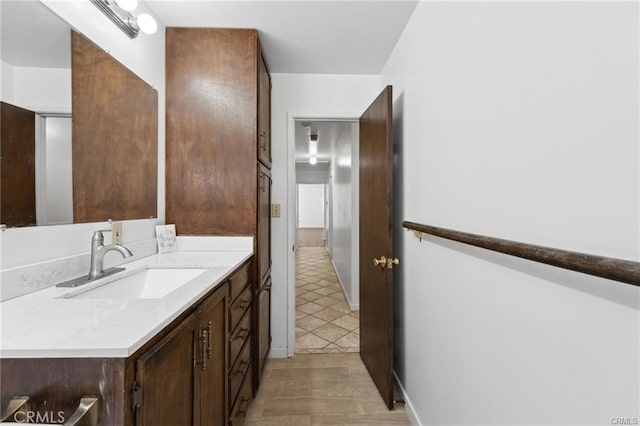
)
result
[(33, 36), (329, 133), (315, 37)]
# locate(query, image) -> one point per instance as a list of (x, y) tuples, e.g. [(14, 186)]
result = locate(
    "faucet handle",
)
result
[(97, 235)]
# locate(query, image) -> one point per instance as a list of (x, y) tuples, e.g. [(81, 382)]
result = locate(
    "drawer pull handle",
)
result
[(87, 413), (243, 305), (243, 411), (241, 366), (242, 333), (16, 405)]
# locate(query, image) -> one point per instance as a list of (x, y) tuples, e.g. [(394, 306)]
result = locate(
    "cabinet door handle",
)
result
[(209, 340), (204, 335)]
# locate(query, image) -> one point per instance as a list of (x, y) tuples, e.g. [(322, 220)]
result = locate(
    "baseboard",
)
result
[(408, 406), (277, 353), (352, 306)]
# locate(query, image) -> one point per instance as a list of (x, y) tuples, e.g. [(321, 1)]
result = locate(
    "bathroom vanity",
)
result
[(164, 342)]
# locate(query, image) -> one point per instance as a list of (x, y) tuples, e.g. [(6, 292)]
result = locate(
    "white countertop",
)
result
[(44, 324)]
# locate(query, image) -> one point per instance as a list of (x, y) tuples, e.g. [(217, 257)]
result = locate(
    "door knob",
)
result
[(380, 262), (392, 261)]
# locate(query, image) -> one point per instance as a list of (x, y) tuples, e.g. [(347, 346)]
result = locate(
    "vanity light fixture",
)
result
[(128, 5), (313, 160), (119, 12)]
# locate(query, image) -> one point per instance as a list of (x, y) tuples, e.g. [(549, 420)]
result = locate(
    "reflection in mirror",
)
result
[(100, 165), (35, 135)]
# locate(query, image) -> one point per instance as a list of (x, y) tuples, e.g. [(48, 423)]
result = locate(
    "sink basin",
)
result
[(151, 283)]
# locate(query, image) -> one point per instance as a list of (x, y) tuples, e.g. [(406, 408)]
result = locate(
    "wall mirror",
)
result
[(78, 131)]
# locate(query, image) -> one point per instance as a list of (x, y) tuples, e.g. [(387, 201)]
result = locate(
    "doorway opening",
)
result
[(326, 237)]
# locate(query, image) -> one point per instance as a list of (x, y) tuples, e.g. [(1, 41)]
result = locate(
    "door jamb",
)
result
[(291, 214)]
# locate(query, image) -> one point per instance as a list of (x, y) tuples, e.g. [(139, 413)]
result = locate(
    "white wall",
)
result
[(35, 257), (310, 96), (58, 180), (517, 120), (345, 223), (6, 82), (310, 206), (307, 173), (37, 89)]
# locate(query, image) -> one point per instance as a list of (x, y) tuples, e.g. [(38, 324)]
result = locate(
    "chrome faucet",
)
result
[(98, 250)]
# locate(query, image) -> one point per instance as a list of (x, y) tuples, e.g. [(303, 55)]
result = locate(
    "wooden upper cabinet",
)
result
[(212, 130), (264, 112)]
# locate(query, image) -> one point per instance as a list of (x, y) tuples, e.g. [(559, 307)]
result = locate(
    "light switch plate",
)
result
[(116, 233), (275, 210)]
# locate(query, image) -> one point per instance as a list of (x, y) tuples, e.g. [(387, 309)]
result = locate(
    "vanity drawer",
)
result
[(239, 281), (238, 371), (239, 307), (241, 406), (239, 336)]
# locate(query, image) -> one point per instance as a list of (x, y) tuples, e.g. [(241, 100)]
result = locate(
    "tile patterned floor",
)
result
[(324, 322), (328, 389), (311, 237)]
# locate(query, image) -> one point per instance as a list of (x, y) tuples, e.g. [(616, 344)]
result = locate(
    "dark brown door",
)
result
[(376, 243), (18, 153)]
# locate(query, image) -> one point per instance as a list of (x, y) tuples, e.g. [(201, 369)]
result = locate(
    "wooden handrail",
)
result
[(605, 267)]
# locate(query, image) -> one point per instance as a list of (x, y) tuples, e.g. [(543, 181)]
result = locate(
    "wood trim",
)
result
[(624, 271)]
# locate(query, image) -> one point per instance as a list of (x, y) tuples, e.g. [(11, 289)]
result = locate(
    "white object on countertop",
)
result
[(166, 236)]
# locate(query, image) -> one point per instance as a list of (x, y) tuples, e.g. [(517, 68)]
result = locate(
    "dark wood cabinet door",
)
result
[(264, 224), (212, 324), (211, 130), (264, 112), (166, 380), (264, 325)]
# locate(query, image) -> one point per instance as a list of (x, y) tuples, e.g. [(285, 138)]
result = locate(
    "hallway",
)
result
[(324, 322)]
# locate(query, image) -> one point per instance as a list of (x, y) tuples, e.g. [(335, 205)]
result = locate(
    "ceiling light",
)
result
[(118, 11), (145, 23), (313, 148), (313, 160)]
